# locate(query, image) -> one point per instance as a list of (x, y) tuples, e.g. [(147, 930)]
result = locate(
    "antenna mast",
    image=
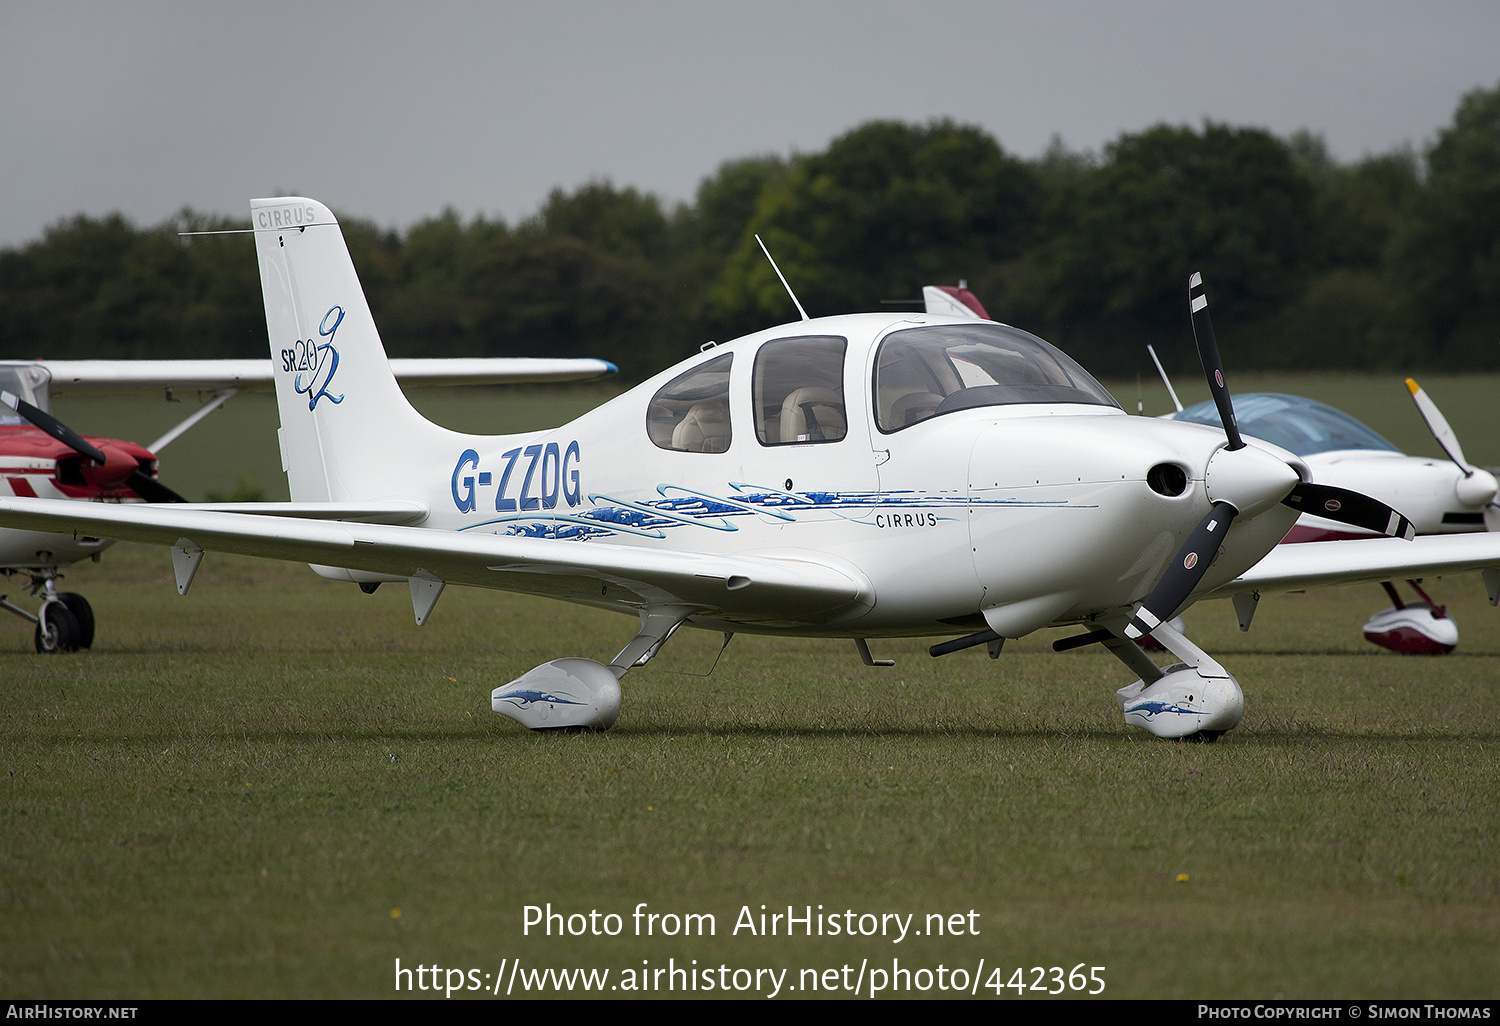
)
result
[(784, 285)]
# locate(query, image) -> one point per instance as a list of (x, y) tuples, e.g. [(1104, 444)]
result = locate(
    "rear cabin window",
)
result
[(690, 413), (925, 372), (798, 391)]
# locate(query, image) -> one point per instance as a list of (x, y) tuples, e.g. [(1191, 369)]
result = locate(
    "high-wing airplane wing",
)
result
[(765, 588), (119, 377)]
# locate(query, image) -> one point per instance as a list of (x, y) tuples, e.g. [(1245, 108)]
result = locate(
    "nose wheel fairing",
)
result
[(1196, 697)]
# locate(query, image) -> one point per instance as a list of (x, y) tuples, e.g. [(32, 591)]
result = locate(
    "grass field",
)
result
[(278, 786)]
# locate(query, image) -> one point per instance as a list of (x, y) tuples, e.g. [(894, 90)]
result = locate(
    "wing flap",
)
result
[(392, 511), (747, 588)]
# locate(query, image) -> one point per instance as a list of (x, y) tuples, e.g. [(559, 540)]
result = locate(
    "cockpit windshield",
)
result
[(1292, 422), (27, 381), (928, 371)]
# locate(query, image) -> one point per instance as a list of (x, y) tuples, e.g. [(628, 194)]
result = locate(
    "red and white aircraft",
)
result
[(861, 476), (41, 457)]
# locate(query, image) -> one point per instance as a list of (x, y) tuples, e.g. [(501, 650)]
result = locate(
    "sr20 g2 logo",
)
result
[(537, 477), (318, 360)]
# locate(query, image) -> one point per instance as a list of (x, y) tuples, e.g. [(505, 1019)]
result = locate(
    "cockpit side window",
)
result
[(798, 389), (690, 413), (924, 372), (27, 382)]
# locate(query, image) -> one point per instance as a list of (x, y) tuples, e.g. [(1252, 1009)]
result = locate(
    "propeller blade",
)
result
[(1183, 574), (151, 490), (54, 427), (1478, 486), (1208, 353), (1350, 507), (1438, 425)]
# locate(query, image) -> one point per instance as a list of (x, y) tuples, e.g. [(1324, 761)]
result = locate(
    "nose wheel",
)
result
[(56, 629), (65, 621)]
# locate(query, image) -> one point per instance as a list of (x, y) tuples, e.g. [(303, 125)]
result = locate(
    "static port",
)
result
[(1167, 479)]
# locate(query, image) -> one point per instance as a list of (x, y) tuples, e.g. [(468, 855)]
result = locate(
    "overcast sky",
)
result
[(393, 111)]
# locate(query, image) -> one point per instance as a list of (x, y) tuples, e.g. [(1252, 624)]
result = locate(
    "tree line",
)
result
[(1391, 262)]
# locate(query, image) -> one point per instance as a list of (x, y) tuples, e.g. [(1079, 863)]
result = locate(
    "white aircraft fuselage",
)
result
[(1033, 513)]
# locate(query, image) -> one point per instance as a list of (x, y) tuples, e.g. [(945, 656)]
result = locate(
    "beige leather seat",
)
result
[(914, 407), (705, 428), (812, 415)]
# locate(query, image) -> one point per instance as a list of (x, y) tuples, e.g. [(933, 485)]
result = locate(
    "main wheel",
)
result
[(83, 613), (56, 630)]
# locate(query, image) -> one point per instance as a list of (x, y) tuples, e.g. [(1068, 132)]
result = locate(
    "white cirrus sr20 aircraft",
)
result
[(855, 477)]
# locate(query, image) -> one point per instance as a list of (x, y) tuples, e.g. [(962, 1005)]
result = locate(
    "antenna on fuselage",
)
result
[(1164, 379), (784, 285)]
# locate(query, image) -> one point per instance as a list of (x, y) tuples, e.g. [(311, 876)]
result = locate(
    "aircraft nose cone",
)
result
[(1478, 489), (1249, 479), (117, 467)]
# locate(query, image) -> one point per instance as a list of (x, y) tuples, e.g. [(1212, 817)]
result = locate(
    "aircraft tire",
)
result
[(83, 613), (58, 630)]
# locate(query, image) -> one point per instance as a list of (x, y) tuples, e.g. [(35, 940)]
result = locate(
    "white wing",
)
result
[(120, 377), (1315, 564), (747, 589)]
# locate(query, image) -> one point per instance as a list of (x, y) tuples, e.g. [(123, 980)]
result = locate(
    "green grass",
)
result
[(231, 794)]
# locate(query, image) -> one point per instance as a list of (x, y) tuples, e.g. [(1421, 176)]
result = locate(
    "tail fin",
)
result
[(347, 430)]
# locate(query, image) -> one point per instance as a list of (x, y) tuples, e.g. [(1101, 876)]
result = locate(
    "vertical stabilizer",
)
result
[(344, 421)]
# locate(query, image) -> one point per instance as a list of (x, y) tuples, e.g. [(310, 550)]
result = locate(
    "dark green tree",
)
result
[(1448, 252), (886, 209), (101, 288), (1121, 240)]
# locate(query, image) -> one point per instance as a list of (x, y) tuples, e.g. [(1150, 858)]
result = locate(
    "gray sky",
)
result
[(393, 111)]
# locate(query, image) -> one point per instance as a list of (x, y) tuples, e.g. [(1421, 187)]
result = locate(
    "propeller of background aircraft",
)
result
[(110, 468), (1478, 486), (1242, 481)]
